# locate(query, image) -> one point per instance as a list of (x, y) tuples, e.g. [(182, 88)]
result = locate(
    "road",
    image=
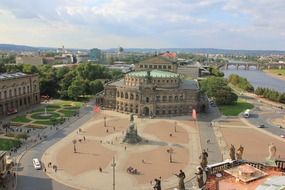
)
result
[(263, 113), (31, 179), (207, 133)]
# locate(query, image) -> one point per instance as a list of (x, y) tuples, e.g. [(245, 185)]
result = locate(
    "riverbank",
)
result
[(276, 73)]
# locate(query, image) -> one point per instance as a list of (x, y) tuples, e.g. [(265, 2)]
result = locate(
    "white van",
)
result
[(37, 164), (246, 114)]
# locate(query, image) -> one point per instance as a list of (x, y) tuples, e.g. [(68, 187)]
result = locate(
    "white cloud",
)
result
[(141, 23)]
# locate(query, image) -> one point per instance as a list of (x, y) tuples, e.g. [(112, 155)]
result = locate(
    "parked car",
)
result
[(282, 136), (261, 126), (37, 164)]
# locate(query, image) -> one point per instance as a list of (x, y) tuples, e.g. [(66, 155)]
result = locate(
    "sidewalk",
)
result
[(11, 183)]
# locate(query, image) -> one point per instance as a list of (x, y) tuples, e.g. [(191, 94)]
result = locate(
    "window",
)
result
[(131, 96), (28, 89), (169, 67), (167, 81), (164, 98), (15, 92), (147, 99), (5, 94), (155, 66), (20, 91), (176, 97), (157, 98), (164, 66), (141, 66), (159, 66), (150, 66), (145, 66), (10, 93), (137, 97), (122, 95), (24, 90), (0, 95), (170, 98), (126, 95)]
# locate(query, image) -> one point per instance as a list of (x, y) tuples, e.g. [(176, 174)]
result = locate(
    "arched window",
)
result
[(126, 95), (131, 96), (122, 95)]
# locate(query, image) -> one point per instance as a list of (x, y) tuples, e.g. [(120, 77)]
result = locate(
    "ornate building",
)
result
[(154, 89), (18, 91)]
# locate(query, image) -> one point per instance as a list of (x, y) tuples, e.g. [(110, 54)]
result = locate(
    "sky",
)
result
[(227, 24)]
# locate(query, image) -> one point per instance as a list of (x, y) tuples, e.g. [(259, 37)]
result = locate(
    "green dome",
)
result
[(154, 74)]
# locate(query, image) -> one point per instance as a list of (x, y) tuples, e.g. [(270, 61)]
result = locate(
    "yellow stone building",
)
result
[(18, 91), (154, 89)]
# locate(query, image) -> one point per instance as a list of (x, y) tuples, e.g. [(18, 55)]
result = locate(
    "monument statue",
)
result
[(181, 176), (272, 151), (240, 152), (199, 177), (204, 159), (232, 152), (132, 118), (132, 136)]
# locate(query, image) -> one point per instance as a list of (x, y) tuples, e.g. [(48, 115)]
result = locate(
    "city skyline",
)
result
[(232, 24)]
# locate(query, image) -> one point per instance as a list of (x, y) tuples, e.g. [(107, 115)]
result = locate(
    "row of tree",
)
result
[(270, 94), (240, 82), (69, 83), (217, 88), (216, 72)]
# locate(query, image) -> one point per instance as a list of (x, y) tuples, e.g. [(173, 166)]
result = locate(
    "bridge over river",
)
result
[(247, 65)]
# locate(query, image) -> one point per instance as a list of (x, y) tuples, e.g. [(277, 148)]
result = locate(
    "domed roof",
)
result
[(154, 74)]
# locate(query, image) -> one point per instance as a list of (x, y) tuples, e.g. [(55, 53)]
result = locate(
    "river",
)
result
[(258, 78)]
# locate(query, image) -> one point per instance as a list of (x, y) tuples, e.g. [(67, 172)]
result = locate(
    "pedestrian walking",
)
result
[(84, 138)]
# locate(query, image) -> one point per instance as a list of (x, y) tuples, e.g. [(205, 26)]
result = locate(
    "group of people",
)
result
[(181, 185), (132, 170)]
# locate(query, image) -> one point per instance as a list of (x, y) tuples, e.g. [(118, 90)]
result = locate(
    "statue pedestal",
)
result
[(270, 162)]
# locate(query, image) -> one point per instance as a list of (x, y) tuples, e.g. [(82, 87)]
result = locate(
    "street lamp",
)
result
[(74, 147), (113, 166), (104, 121), (170, 152)]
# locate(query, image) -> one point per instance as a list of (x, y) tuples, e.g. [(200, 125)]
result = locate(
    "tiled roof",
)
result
[(11, 75)]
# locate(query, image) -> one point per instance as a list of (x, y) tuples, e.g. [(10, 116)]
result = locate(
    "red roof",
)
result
[(169, 55)]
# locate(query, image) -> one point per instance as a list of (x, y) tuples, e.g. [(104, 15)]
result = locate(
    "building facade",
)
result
[(153, 92), (2, 162), (29, 59), (18, 91)]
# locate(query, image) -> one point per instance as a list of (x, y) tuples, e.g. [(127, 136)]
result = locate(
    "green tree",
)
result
[(217, 88), (75, 90), (96, 86), (30, 69)]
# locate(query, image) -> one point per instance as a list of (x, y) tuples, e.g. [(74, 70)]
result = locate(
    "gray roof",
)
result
[(4, 76), (189, 84)]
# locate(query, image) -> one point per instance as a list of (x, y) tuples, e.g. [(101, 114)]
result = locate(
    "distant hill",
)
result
[(206, 51), (20, 48)]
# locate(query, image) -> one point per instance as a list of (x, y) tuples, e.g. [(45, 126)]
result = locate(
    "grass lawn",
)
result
[(21, 119), (68, 102), (277, 71), (44, 122), (41, 116), (235, 109), (67, 113), (7, 144)]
